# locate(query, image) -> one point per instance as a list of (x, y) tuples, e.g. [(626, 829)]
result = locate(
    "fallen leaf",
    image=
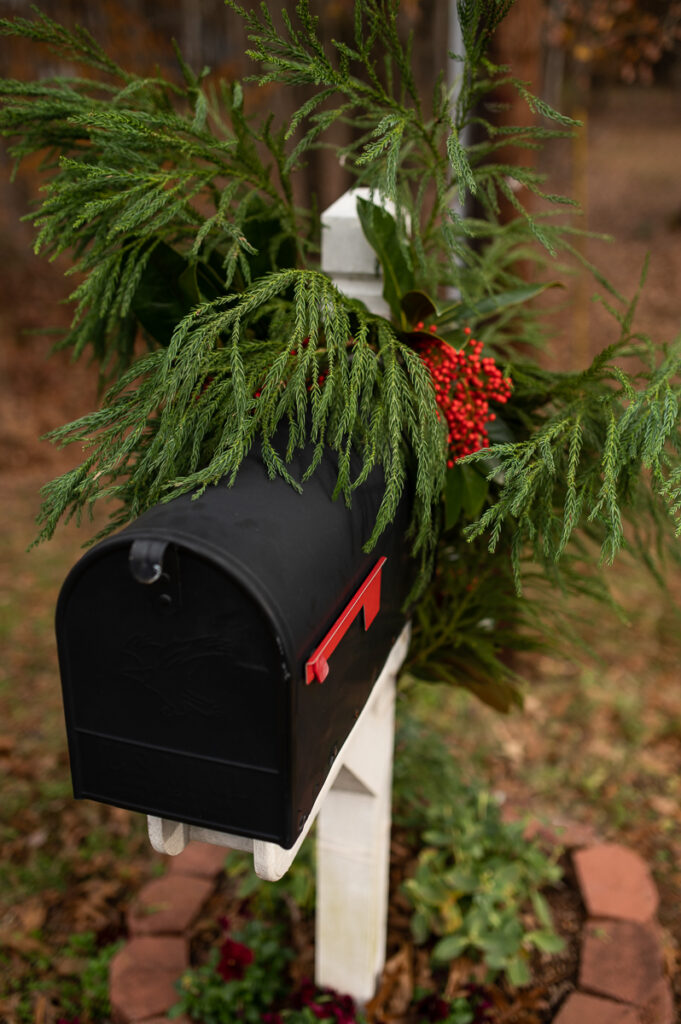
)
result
[(20, 943), (461, 972), (68, 966), (31, 914), (396, 987), (40, 1009), (666, 806)]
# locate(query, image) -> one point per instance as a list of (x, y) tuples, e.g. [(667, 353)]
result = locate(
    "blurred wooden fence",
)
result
[(138, 34)]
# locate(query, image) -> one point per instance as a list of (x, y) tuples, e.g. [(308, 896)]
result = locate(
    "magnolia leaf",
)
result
[(274, 248), (188, 282), (496, 693), (453, 496), (495, 303), (514, 297), (416, 306), (166, 293), (474, 492), (381, 232), (465, 491), (498, 432)]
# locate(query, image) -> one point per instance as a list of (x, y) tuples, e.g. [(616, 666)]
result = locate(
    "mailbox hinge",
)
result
[(367, 598)]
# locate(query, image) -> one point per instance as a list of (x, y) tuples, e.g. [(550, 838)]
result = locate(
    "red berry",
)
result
[(464, 386)]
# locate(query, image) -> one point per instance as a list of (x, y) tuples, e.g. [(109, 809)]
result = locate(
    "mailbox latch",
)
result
[(146, 559), (367, 598)]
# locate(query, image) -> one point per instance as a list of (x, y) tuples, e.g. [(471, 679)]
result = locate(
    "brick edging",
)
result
[(621, 973), (621, 965), (143, 973)]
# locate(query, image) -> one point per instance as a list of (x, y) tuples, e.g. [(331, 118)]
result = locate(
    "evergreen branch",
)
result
[(186, 416)]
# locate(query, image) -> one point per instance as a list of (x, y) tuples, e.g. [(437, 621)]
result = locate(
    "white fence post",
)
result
[(354, 804), (353, 830), (353, 855), (347, 257)]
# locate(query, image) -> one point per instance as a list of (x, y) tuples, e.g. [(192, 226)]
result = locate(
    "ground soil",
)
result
[(601, 746)]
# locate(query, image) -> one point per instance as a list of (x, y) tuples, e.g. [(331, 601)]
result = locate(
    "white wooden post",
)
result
[(354, 804), (353, 853), (347, 257), (353, 831)]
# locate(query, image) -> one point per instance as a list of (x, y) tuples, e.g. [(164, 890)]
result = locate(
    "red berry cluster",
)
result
[(465, 384)]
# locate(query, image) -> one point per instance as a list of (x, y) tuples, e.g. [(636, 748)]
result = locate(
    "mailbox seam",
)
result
[(252, 584), (203, 549), (172, 750), (130, 805)]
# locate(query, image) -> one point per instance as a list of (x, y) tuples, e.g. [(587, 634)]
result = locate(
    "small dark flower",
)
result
[(433, 1008), (234, 959), (325, 1003), (271, 1017), (304, 995), (479, 996)]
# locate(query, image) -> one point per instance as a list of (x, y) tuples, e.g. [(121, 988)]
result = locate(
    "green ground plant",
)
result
[(478, 880), (242, 980), (476, 875), (82, 992), (86, 993)]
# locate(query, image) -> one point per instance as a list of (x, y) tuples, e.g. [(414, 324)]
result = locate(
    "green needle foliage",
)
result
[(201, 300)]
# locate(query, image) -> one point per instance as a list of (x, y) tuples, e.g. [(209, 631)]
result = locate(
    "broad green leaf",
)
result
[(495, 303), (541, 909), (189, 283), (453, 496), (515, 297), (449, 948), (465, 491), (518, 972), (475, 489), (165, 294), (498, 432), (381, 232), (275, 248), (547, 942), (496, 693), (416, 306)]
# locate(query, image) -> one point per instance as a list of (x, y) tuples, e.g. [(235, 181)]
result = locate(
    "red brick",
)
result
[(615, 882), (168, 953), (142, 978), (620, 959), (582, 1009), (659, 1006), (168, 905), (168, 1020), (200, 860)]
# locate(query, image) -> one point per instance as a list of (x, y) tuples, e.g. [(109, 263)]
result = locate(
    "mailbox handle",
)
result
[(368, 597)]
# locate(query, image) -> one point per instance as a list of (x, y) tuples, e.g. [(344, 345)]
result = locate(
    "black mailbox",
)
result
[(216, 653)]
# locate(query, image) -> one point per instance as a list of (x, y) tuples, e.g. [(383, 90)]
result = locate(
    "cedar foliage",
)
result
[(177, 209)]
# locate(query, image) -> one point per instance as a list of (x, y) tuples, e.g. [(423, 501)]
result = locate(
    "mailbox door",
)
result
[(175, 693)]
